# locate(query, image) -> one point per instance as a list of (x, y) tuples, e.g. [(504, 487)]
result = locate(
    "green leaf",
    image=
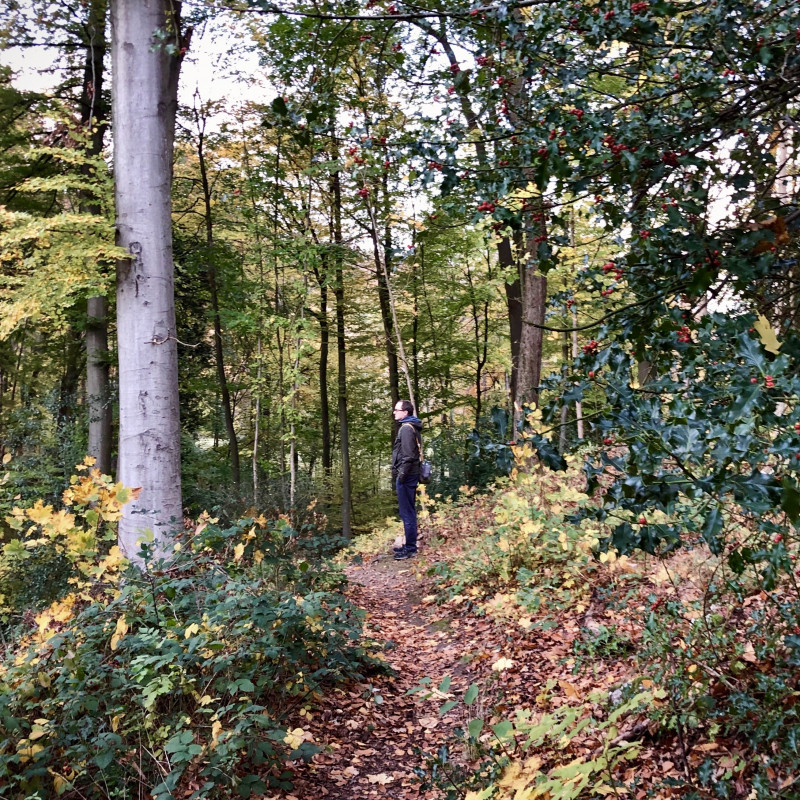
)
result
[(503, 729), (790, 499), (445, 707), (444, 686), (471, 694), (104, 758), (475, 727)]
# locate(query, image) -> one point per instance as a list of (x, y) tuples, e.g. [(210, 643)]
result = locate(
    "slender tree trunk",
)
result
[(257, 422), (211, 277), (145, 91), (344, 436), (388, 328), (259, 342), (578, 403), (384, 295), (534, 298), (514, 306), (324, 348), (70, 376), (415, 326), (94, 114), (97, 374)]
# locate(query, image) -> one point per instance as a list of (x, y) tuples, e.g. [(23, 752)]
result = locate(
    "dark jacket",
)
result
[(406, 449)]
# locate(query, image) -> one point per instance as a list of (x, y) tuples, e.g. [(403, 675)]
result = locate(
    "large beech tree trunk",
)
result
[(145, 86)]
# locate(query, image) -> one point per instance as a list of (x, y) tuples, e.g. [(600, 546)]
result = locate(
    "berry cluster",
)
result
[(590, 348), (639, 7), (612, 267), (684, 334), (487, 207)]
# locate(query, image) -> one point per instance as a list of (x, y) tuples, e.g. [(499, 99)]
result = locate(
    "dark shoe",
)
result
[(399, 549), (404, 554)]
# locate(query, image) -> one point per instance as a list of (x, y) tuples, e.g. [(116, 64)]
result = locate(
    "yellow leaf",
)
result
[(191, 630), (115, 720), (44, 679), (767, 335), (6, 458), (502, 543), (216, 732), (295, 738), (27, 752), (37, 731), (502, 664), (119, 632), (60, 784), (258, 557), (238, 552)]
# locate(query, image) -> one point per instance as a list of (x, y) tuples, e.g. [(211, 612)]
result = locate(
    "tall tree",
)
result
[(94, 114), (147, 48)]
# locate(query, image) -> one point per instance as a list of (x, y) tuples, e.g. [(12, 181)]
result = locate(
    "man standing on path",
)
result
[(405, 472)]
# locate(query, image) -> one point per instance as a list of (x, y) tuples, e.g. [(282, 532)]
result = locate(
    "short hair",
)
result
[(407, 406)]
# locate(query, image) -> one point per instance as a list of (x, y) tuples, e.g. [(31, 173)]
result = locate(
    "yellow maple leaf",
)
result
[(40, 513), (238, 552)]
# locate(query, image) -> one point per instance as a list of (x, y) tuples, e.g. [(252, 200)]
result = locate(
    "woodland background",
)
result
[(567, 231)]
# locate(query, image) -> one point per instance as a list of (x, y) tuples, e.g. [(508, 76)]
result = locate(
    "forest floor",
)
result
[(375, 734)]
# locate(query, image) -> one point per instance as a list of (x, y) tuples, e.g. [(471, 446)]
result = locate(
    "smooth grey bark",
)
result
[(146, 54)]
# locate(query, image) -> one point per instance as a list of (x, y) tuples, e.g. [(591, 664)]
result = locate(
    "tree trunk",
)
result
[(324, 347), (534, 298), (344, 436), (145, 87), (514, 305), (97, 373), (94, 114), (211, 277), (70, 376), (578, 403)]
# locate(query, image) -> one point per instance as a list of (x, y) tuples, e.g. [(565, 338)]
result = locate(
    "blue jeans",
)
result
[(407, 506)]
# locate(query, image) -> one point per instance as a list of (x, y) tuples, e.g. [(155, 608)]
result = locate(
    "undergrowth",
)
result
[(715, 640), (191, 675)]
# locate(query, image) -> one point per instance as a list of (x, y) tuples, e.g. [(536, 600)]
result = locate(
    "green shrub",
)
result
[(187, 675), (532, 548)]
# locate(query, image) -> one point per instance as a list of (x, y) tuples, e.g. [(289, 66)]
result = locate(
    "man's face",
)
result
[(399, 413)]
